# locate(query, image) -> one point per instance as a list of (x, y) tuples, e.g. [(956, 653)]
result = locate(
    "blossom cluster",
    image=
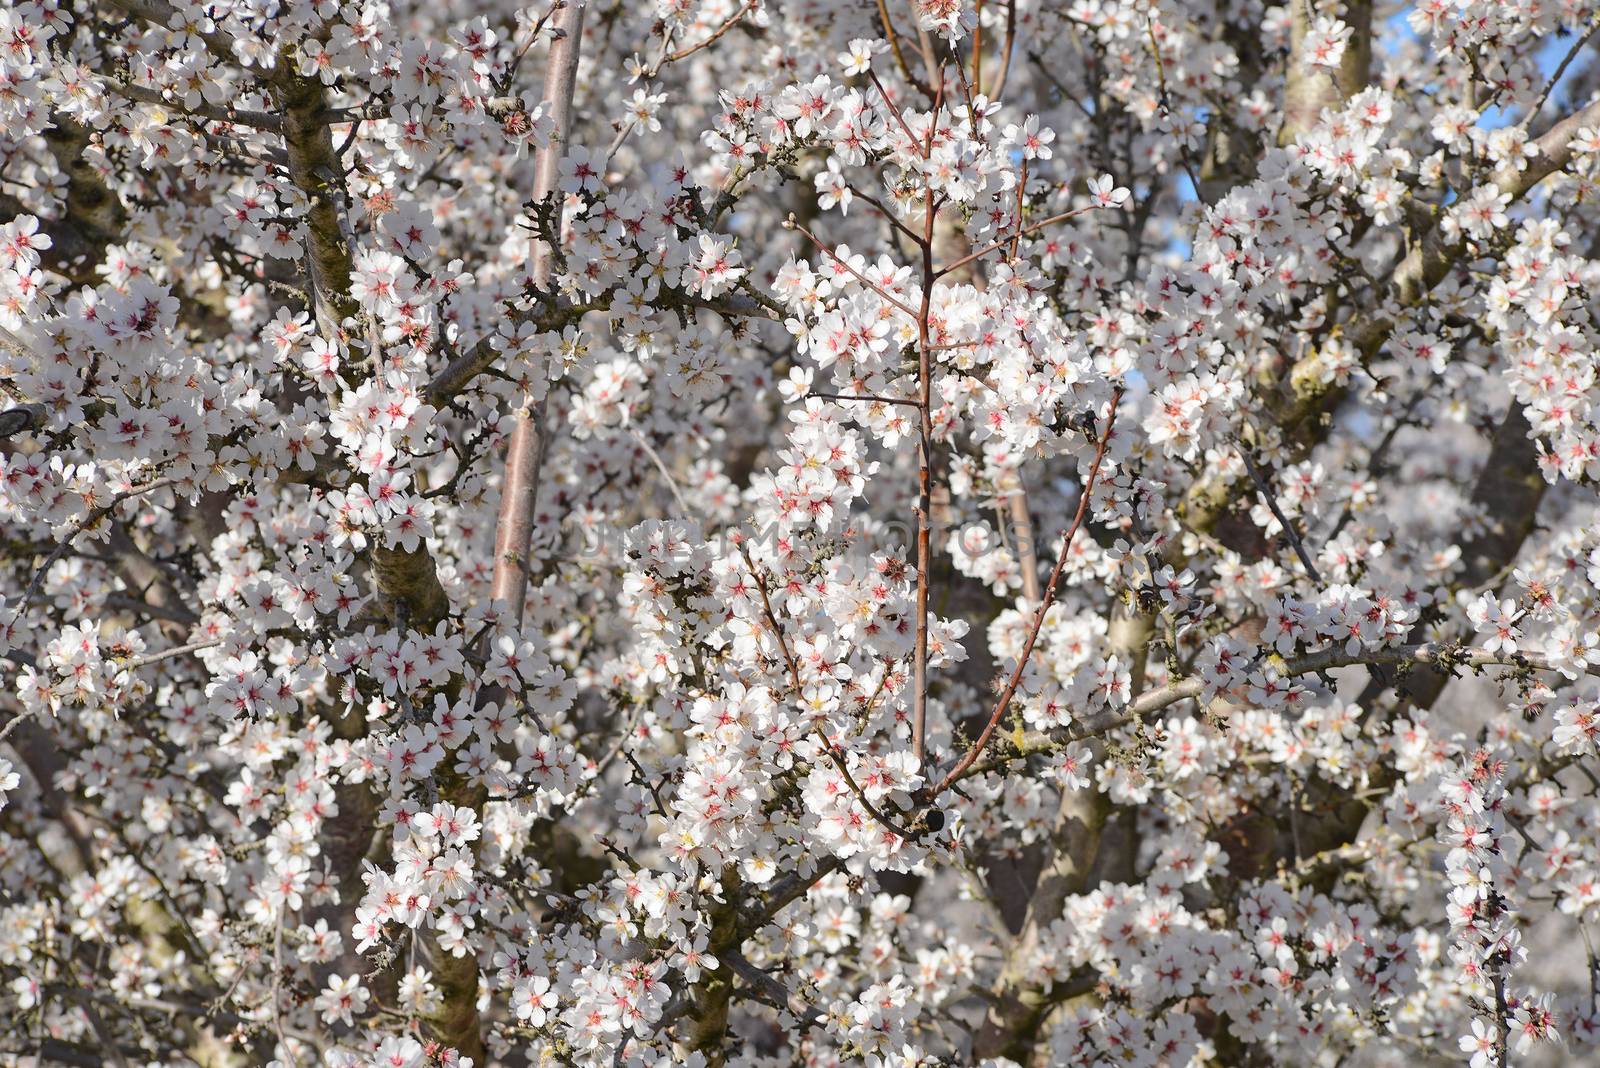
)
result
[(734, 534)]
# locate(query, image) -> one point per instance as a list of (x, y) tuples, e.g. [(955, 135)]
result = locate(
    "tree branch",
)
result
[(519, 493)]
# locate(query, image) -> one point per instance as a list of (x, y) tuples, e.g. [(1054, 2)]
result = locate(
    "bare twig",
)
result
[(772, 619), (893, 37), (166, 654), (727, 24), (1561, 69), (997, 91)]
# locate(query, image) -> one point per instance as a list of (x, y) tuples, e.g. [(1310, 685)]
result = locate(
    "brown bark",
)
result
[(1309, 90), (407, 581), (1019, 1003), (1075, 859), (710, 999), (1305, 400), (315, 169)]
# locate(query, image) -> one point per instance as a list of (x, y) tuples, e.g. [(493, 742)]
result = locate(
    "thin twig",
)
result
[(90, 519), (1004, 241), (866, 397), (165, 654), (899, 117), (794, 224), (772, 619), (924, 516), (1561, 69), (838, 762), (1289, 531), (672, 483), (997, 92), (1044, 606), (899, 55), (727, 24)]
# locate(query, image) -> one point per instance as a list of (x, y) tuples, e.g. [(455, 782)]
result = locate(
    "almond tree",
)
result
[(741, 533)]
